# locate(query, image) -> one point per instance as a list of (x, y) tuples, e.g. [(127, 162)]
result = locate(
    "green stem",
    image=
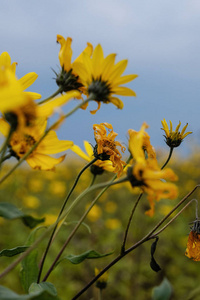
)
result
[(5, 145), (60, 213), (52, 96), (106, 186), (129, 223), (168, 159), (144, 239)]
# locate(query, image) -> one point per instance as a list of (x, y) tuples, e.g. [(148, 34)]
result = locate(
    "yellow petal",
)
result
[(76, 149), (43, 162), (5, 60), (124, 91), (97, 60), (52, 145), (118, 69), (117, 102), (125, 79), (4, 127), (28, 79), (33, 95), (89, 149), (48, 108)]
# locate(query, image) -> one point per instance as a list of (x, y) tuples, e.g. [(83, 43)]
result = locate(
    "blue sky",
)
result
[(159, 38)]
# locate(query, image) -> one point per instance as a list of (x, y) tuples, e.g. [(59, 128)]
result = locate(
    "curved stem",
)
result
[(129, 223), (168, 159), (83, 216), (5, 145), (60, 213), (52, 96), (144, 239)]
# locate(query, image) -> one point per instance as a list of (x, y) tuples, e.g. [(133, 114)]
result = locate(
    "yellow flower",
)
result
[(16, 103), (103, 78), (101, 282), (21, 143), (174, 138), (68, 79), (146, 173), (193, 244), (11, 91), (99, 166), (106, 146)]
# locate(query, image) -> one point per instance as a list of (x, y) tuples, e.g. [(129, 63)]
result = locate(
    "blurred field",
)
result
[(41, 194)]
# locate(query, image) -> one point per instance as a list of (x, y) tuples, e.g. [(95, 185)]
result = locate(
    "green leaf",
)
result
[(90, 254), (11, 212), (44, 292), (13, 251), (29, 271), (46, 286), (163, 291)]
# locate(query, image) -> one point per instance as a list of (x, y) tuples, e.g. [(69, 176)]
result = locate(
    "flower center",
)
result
[(101, 90), (21, 146)]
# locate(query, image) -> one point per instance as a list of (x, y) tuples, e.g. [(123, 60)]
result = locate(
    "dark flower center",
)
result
[(101, 90)]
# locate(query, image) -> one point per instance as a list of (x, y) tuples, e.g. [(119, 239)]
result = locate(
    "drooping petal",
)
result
[(52, 145), (117, 102), (43, 162)]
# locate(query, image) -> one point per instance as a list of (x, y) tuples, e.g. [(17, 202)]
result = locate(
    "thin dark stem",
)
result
[(168, 159), (144, 239), (60, 213), (129, 223), (52, 96)]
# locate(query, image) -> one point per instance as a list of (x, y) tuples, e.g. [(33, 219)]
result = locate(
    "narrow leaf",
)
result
[(90, 254), (11, 212), (13, 251), (163, 291), (155, 267)]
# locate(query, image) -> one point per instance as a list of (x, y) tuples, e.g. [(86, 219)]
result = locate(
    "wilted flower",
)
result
[(193, 244), (174, 138), (145, 171), (103, 78), (99, 166), (106, 146)]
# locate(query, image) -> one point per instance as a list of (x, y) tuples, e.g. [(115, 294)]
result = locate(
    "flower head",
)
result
[(103, 78), (193, 244), (16, 103), (145, 171), (68, 79), (106, 146), (99, 166), (21, 142), (101, 281), (174, 138)]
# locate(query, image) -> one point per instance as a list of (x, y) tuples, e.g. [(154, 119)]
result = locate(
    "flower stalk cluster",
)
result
[(27, 137)]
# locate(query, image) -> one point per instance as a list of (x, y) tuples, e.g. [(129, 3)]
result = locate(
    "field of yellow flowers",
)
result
[(41, 194)]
